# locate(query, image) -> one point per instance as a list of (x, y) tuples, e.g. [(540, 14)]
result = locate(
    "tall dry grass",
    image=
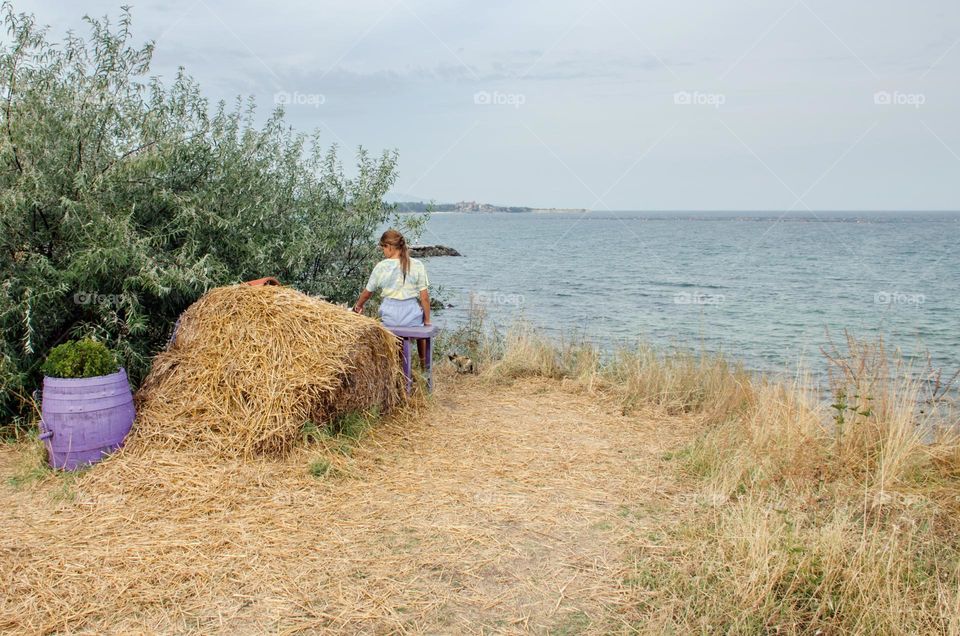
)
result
[(824, 513), (527, 352), (677, 381), (831, 511)]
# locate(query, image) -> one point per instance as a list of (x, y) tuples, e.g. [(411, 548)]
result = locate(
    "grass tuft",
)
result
[(320, 467)]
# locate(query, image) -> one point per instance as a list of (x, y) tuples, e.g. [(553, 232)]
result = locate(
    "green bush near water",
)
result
[(124, 198)]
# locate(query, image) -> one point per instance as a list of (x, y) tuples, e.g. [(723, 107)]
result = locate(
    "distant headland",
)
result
[(472, 207)]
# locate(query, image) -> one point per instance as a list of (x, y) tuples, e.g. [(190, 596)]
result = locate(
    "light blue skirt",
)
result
[(401, 313)]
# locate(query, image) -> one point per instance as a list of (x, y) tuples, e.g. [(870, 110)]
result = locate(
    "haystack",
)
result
[(250, 365)]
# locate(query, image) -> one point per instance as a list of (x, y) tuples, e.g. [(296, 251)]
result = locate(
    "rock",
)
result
[(426, 251)]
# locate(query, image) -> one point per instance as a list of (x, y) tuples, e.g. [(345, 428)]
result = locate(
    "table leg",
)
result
[(429, 368), (407, 370)]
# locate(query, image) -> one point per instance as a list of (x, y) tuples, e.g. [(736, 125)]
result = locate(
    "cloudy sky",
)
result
[(602, 104)]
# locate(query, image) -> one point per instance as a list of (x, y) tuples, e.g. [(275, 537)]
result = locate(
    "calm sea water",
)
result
[(764, 289)]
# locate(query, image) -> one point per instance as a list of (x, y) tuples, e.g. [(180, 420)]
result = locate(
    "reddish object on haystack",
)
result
[(269, 280)]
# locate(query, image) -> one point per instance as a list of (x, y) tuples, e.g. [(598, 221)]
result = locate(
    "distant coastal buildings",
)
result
[(472, 207)]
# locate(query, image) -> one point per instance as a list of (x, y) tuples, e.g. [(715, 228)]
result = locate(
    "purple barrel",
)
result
[(85, 419)]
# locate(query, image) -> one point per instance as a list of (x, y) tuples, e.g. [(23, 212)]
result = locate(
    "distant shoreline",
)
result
[(878, 216), (472, 207)]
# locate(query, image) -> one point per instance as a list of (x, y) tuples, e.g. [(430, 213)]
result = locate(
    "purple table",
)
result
[(411, 334)]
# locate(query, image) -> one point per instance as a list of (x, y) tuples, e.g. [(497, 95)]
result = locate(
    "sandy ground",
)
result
[(497, 510)]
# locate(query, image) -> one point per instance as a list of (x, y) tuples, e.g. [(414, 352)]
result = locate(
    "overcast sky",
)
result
[(602, 104)]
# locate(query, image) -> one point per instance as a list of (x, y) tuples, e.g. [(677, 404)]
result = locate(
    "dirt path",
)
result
[(498, 511)]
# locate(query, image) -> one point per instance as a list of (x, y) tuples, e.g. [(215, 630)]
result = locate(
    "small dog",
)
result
[(463, 363)]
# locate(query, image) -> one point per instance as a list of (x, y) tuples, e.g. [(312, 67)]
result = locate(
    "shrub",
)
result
[(123, 199), (85, 358)]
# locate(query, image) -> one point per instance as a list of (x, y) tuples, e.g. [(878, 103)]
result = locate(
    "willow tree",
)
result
[(122, 199)]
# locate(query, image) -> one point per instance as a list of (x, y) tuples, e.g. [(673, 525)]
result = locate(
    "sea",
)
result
[(770, 290)]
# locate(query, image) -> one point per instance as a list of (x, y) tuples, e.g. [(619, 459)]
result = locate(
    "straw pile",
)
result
[(249, 365)]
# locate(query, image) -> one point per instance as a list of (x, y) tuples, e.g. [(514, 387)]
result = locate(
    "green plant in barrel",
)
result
[(85, 358), (87, 406)]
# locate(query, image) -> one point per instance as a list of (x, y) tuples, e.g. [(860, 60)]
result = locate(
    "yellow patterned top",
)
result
[(387, 277)]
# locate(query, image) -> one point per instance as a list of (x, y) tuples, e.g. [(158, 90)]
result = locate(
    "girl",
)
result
[(402, 282)]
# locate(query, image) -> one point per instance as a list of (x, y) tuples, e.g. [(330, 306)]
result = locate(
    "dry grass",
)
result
[(819, 516), (559, 492), (476, 512), (677, 382), (805, 512), (179, 528), (680, 382), (527, 353)]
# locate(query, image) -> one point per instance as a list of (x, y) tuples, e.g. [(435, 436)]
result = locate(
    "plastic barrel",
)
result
[(85, 419)]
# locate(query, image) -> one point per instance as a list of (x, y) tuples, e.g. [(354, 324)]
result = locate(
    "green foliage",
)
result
[(842, 406), (340, 434), (354, 424), (29, 475), (311, 433), (80, 359), (319, 467), (439, 297), (479, 340), (123, 199)]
